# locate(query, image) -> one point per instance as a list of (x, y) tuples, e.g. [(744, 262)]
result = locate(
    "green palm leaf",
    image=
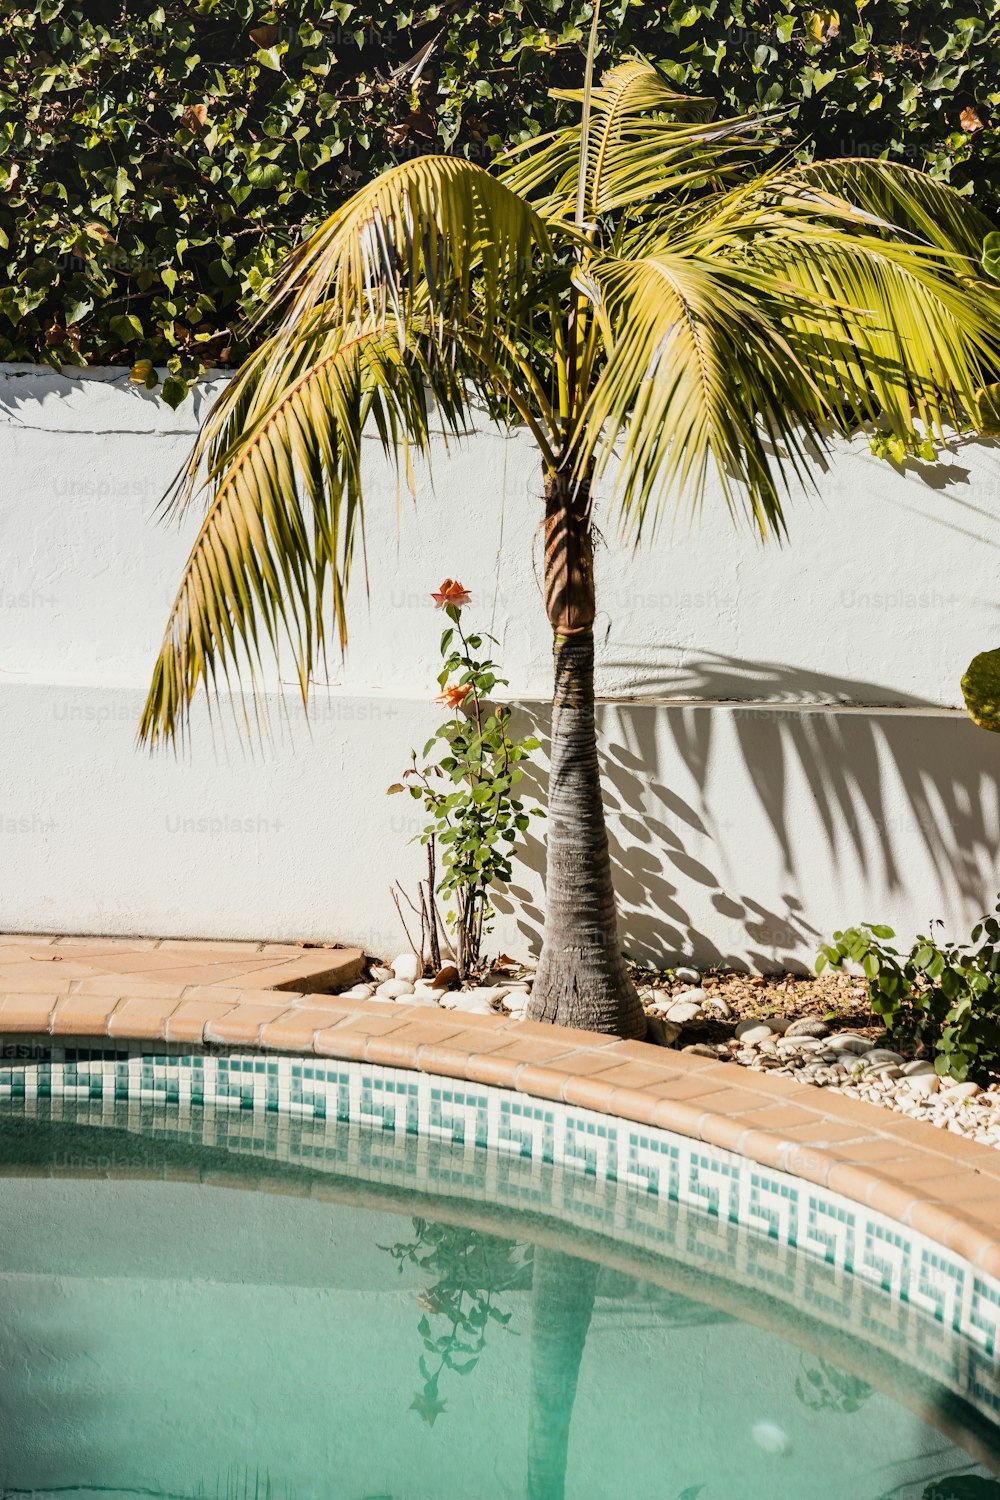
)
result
[(637, 147), (699, 376), (438, 234), (284, 476)]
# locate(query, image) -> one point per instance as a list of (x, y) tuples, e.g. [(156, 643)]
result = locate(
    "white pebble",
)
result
[(752, 1032), (922, 1085), (848, 1041), (394, 989), (683, 1012), (408, 967), (687, 976)]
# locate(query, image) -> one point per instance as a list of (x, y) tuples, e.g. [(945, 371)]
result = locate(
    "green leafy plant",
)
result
[(158, 159), (943, 995), (981, 690), (468, 788), (471, 1269)]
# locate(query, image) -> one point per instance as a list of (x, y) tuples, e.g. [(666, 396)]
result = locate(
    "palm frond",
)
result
[(892, 197), (283, 455), (641, 143), (893, 315), (434, 235), (698, 376)]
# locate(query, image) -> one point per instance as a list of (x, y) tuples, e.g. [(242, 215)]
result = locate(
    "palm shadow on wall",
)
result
[(945, 769)]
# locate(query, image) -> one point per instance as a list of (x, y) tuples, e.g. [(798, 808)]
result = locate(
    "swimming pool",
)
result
[(240, 1292)]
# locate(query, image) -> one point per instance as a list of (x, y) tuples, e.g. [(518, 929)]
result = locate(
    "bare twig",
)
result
[(395, 897)]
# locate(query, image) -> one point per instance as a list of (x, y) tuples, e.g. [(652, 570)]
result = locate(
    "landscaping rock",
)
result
[(918, 1069), (962, 1090), (921, 1085), (696, 997), (687, 975), (358, 992), (883, 1055), (683, 1012), (752, 1032), (379, 973), (848, 1041), (701, 1049), (718, 1007), (393, 989), (407, 966), (473, 1002), (807, 1026)]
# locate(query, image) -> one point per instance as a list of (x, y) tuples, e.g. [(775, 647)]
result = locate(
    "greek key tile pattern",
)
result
[(649, 1189)]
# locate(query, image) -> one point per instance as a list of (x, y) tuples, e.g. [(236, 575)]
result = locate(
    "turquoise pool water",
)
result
[(182, 1320)]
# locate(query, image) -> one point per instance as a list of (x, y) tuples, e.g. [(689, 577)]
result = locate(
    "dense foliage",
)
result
[(157, 159), (943, 996)]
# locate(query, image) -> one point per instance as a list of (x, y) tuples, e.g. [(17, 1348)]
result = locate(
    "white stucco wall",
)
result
[(784, 747)]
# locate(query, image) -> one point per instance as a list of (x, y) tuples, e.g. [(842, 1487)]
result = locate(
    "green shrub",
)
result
[(157, 159), (475, 818), (945, 995)]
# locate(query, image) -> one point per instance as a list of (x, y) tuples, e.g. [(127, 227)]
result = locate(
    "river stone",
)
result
[(718, 1006), (807, 1026), (394, 989), (921, 1085), (472, 1002), (848, 1041), (379, 973), (751, 1032), (697, 997), (407, 966), (687, 976), (683, 1012), (754, 1032), (357, 992), (884, 1055), (427, 991), (918, 1068), (701, 1049), (963, 1090)]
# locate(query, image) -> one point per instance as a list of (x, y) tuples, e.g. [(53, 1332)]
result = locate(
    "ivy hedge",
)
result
[(157, 159)]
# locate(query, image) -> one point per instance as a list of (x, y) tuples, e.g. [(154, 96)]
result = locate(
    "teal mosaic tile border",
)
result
[(650, 1189)]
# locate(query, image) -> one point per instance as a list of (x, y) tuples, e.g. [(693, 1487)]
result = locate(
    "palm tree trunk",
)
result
[(582, 979), (562, 1300)]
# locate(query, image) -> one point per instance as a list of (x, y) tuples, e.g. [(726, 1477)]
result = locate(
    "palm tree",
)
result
[(648, 299)]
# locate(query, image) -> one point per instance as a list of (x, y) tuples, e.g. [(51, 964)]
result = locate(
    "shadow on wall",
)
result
[(858, 794)]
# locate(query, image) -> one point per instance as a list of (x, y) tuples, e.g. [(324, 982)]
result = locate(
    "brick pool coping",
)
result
[(933, 1181)]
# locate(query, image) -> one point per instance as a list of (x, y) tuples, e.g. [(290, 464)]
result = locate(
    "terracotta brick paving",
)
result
[(937, 1182), (55, 965)]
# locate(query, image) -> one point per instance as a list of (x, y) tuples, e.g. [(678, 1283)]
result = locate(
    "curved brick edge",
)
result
[(933, 1181)]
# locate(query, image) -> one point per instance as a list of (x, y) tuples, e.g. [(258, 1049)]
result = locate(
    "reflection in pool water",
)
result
[(178, 1320)]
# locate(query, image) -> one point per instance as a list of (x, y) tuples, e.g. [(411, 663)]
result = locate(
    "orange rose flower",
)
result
[(451, 592), (455, 696)]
